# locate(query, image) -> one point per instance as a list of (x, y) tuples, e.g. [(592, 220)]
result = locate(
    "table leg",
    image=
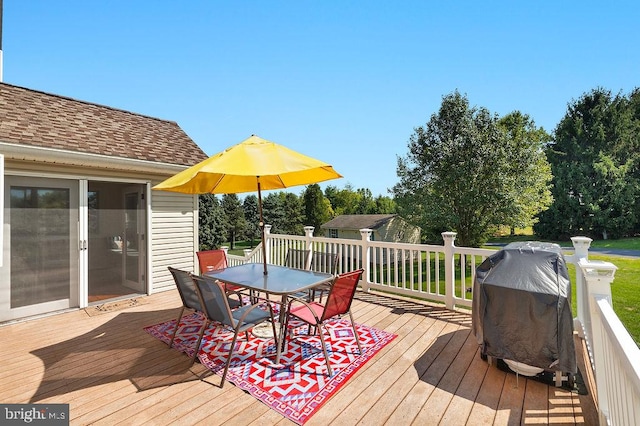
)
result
[(282, 318)]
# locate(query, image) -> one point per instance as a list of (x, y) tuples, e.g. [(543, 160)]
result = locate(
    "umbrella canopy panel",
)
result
[(253, 165), (241, 167)]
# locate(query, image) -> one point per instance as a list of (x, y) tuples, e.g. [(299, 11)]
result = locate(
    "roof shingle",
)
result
[(30, 117)]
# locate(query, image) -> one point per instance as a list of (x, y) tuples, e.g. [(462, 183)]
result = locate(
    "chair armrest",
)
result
[(251, 308)]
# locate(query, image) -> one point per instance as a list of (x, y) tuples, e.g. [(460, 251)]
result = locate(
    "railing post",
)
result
[(449, 268), (366, 257), (598, 277), (581, 246), (267, 242), (247, 253), (308, 235)]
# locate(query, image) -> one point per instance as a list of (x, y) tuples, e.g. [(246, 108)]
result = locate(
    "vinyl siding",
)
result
[(174, 233)]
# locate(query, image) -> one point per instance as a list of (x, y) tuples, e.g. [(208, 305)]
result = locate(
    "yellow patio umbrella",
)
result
[(254, 164)]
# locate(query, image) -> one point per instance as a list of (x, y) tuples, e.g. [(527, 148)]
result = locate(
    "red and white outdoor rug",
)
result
[(299, 385)]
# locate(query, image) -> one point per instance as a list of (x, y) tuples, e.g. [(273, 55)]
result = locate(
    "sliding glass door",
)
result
[(69, 243), (39, 272), (116, 238)]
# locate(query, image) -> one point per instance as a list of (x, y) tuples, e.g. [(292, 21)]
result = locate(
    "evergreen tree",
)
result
[(294, 218), (212, 222), (274, 212), (316, 209), (235, 217), (595, 162), (252, 218)]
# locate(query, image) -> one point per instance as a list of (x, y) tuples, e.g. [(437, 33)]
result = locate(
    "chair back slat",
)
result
[(214, 300), (297, 258), (186, 289), (341, 294), (212, 260), (324, 262)]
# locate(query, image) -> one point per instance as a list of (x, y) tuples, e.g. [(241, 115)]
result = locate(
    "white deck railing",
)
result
[(431, 272), (615, 358), (446, 274)]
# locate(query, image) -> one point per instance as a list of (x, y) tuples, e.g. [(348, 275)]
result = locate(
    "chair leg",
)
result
[(228, 363), (202, 330), (324, 349), (273, 327), (173, 336), (355, 332)]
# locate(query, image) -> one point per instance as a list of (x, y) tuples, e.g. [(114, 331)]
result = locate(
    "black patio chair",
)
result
[(189, 296), (216, 308)]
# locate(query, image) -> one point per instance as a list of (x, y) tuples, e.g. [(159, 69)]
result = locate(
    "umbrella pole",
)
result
[(264, 246)]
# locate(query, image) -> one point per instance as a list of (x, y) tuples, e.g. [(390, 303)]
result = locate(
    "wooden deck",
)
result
[(111, 372)]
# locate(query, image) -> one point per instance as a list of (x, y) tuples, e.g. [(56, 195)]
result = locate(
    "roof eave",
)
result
[(38, 154)]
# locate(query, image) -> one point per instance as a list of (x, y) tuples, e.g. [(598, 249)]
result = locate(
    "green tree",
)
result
[(595, 165), (366, 204), (283, 211), (316, 207), (212, 222), (294, 218), (331, 194), (343, 201), (360, 201), (235, 217), (385, 205), (252, 218), (530, 170), (459, 173), (274, 212)]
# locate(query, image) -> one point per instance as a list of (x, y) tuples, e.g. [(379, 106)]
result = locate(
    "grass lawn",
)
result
[(625, 292)]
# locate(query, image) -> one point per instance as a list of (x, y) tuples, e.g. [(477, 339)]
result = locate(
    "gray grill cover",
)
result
[(522, 306)]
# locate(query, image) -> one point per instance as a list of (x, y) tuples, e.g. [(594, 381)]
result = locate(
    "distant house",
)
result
[(81, 224), (385, 227)]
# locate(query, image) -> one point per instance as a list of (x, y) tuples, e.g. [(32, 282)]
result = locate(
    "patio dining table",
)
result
[(278, 281)]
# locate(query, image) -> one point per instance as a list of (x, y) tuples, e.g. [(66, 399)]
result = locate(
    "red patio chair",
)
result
[(212, 260), (338, 303), (323, 262)]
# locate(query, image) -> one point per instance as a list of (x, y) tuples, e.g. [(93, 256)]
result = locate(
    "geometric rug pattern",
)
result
[(299, 385)]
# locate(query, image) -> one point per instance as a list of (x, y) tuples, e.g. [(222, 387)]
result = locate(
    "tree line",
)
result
[(228, 219), (474, 172)]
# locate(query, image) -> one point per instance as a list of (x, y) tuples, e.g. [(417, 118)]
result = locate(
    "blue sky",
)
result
[(342, 81)]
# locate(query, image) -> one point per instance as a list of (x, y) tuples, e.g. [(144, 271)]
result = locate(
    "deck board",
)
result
[(112, 372)]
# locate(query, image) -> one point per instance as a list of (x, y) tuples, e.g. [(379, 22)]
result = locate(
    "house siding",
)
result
[(348, 234), (174, 222), (50, 136), (397, 230), (394, 229)]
